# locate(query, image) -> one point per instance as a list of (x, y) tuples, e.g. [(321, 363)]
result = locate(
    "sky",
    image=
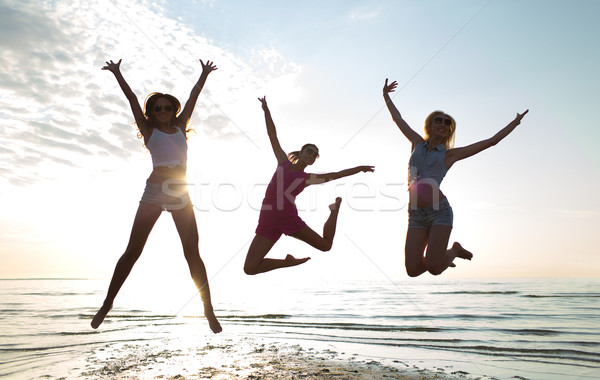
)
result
[(72, 169)]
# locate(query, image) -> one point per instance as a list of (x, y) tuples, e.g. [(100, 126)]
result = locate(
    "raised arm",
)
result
[(314, 179), (458, 154), (272, 132), (185, 115), (138, 114), (410, 134)]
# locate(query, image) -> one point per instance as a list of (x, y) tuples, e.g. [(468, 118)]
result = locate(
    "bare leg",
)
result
[(143, 223), (331, 223), (438, 257), (324, 243), (185, 221), (256, 262), (414, 251)]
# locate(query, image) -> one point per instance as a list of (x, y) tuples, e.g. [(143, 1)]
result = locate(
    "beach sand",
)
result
[(246, 358)]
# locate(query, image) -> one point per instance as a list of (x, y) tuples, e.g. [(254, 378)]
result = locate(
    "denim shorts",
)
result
[(439, 214), (169, 196)]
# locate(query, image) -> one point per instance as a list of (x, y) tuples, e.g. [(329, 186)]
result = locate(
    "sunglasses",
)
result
[(167, 108), (439, 120)]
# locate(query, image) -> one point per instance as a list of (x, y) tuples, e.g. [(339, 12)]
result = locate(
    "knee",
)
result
[(414, 268), (131, 255), (436, 269), (436, 264), (413, 272), (325, 246), (191, 253), (250, 270)]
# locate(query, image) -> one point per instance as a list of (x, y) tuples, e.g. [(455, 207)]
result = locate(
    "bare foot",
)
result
[(291, 261), (461, 252), (213, 323), (336, 206), (100, 315)]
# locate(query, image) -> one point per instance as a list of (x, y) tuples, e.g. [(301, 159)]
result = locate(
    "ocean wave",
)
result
[(32, 349), (261, 316), (132, 316), (563, 295), (573, 356), (483, 292), (539, 332), (576, 357), (444, 316), (559, 354), (53, 294), (335, 326)]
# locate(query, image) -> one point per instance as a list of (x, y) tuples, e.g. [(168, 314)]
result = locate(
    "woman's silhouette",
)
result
[(279, 214), (164, 130), (430, 215)]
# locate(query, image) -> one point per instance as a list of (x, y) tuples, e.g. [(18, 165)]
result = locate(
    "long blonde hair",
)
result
[(295, 155), (448, 141)]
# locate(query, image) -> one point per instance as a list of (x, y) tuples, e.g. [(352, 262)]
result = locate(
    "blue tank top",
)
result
[(427, 164)]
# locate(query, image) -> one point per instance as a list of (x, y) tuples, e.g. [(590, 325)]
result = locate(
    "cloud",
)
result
[(363, 14), (61, 109), (220, 125), (26, 30), (273, 64)]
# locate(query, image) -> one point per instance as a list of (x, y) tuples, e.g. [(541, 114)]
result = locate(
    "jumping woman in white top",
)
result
[(164, 130), (429, 214)]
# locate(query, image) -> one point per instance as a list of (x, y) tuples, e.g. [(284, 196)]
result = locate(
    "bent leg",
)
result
[(143, 223), (256, 262), (324, 243), (438, 256), (414, 249), (185, 222)]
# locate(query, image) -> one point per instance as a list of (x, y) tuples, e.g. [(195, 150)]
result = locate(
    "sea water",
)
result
[(534, 329)]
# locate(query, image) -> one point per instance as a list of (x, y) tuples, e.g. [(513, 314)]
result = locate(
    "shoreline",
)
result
[(247, 358)]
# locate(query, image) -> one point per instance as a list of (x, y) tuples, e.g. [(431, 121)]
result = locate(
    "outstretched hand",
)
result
[(208, 67), (366, 168), (389, 88), (263, 100), (112, 67), (520, 116)]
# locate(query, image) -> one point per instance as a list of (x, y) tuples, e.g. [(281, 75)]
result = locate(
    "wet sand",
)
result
[(243, 359)]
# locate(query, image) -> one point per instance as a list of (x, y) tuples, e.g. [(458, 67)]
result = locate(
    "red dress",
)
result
[(279, 214)]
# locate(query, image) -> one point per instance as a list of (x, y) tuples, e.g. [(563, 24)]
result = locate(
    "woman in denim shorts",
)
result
[(164, 130), (429, 213)]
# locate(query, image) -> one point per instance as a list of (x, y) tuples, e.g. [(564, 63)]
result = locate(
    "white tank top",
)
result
[(168, 150)]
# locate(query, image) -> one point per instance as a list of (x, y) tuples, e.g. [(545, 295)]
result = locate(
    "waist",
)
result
[(434, 204), (280, 200), (423, 195), (161, 174)]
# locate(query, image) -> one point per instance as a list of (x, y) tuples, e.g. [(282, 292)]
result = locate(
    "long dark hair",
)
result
[(149, 105)]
